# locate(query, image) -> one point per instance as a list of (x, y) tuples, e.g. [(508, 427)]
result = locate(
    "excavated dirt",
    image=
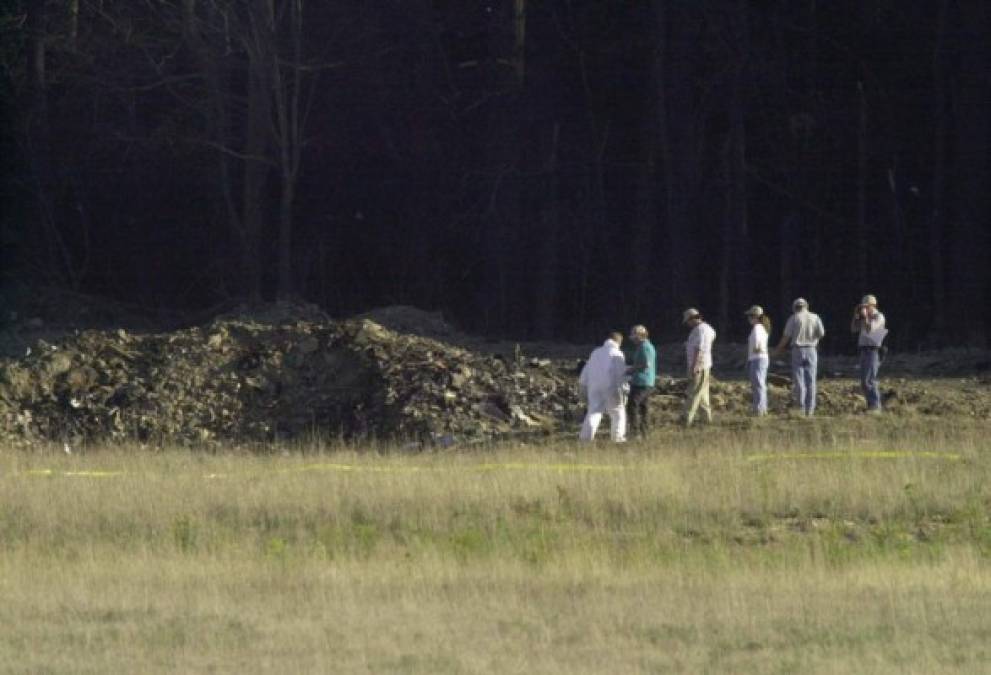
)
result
[(265, 376), (289, 372)]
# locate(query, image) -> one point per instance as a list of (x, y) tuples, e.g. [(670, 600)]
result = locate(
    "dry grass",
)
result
[(722, 550)]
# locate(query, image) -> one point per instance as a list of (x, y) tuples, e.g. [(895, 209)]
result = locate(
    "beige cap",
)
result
[(690, 313), (799, 302), (869, 300), (756, 310), (638, 331)]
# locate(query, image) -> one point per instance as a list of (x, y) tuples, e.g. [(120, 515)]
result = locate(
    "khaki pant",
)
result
[(698, 397)]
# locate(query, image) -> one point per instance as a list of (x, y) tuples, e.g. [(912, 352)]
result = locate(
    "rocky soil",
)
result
[(286, 372)]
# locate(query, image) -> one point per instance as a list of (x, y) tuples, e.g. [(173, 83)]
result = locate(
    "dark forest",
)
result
[(539, 170)]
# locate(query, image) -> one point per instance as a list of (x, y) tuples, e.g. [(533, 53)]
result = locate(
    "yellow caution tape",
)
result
[(94, 474), (548, 467), (353, 468), (524, 466), (877, 454), (86, 474), (397, 468), (350, 467)]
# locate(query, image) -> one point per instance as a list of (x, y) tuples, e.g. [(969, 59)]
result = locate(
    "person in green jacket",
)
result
[(642, 370)]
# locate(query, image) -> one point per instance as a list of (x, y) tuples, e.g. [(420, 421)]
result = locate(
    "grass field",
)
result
[(861, 547)]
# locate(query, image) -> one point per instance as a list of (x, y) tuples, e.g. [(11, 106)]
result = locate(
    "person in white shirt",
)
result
[(603, 383), (802, 331), (868, 323), (698, 350), (757, 357)]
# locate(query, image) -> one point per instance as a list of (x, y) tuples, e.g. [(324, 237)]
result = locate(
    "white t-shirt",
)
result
[(757, 343), (700, 339)]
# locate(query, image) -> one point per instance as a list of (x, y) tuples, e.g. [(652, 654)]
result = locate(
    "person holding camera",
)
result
[(868, 323)]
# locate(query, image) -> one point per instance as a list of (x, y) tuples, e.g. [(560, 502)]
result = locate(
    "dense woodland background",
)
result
[(533, 169)]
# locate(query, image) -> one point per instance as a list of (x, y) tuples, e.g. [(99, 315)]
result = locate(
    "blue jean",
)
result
[(757, 371), (804, 362), (870, 363)]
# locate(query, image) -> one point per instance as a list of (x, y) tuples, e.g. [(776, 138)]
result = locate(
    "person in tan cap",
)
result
[(802, 332), (868, 323), (758, 359), (698, 350)]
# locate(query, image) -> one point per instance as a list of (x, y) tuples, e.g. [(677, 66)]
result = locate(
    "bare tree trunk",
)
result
[(502, 220), (254, 184), (38, 133), (737, 240), (970, 234), (546, 294), (595, 215), (642, 241), (861, 234), (795, 227), (786, 242), (286, 199), (218, 122), (257, 141), (73, 37), (58, 260), (936, 222), (897, 244), (287, 102), (676, 146), (519, 41), (727, 240), (743, 281)]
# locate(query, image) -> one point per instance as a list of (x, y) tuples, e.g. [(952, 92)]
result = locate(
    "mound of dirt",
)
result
[(244, 379), (413, 321)]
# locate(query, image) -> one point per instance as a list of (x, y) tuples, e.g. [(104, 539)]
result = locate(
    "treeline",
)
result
[(533, 169)]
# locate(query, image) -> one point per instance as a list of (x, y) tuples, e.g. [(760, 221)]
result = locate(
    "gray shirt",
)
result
[(804, 329)]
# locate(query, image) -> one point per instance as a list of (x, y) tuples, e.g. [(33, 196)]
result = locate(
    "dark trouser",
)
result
[(870, 363), (637, 410)]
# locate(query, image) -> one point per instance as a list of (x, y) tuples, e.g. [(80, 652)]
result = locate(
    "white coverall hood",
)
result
[(605, 368)]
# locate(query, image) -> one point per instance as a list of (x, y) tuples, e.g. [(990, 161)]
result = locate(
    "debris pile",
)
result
[(243, 379), (290, 372)]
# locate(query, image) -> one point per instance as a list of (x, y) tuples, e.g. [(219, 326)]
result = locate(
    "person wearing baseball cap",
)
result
[(757, 357), (698, 349), (869, 324), (802, 332)]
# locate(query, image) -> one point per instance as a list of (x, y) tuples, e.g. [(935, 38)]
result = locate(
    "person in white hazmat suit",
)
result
[(603, 383)]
